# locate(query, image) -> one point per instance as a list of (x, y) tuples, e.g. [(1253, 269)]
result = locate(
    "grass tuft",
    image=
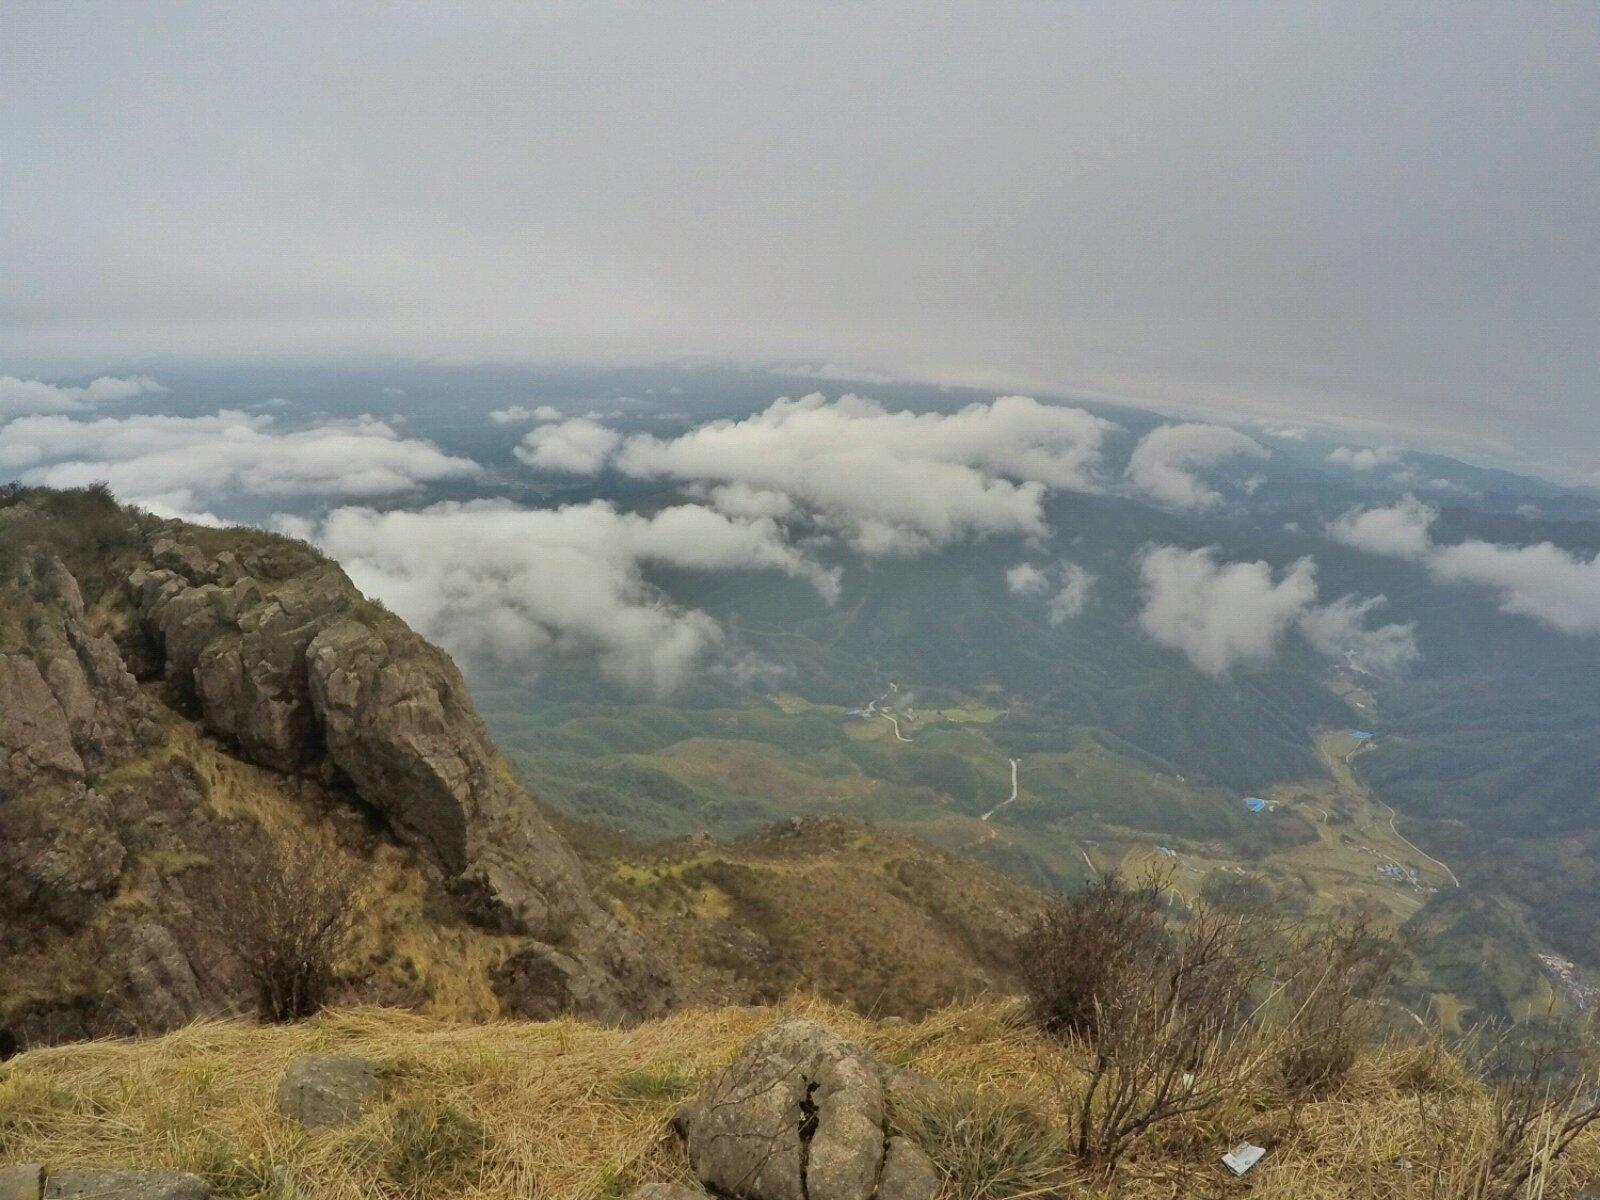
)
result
[(988, 1147), (652, 1087), (429, 1148)]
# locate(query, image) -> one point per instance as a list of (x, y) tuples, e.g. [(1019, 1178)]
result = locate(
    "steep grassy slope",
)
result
[(860, 916)]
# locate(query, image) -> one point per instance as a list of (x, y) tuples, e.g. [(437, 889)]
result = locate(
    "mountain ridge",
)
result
[(269, 650), (171, 693)]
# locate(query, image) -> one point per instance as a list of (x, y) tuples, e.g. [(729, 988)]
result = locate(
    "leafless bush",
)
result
[(1173, 1037), (1538, 1108), (1078, 953), (1181, 1019), (1335, 975), (288, 911)]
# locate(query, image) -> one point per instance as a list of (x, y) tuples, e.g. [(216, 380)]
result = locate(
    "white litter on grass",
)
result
[(1244, 1157)]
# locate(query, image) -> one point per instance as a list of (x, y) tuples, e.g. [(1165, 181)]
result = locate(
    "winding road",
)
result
[(1393, 827), (1011, 799), (891, 719)]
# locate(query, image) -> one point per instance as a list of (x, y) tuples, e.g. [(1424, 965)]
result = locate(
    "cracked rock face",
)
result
[(800, 1115), (132, 649), (292, 667)]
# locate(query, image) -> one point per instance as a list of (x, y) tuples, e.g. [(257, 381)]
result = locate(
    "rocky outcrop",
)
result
[(160, 988), (800, 1114), (265, 646), (288, 662)]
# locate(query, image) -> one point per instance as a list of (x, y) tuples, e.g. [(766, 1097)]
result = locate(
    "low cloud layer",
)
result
[(1064, 588), (23, 396), (1542, 581), (517, 587), (518, 414), (887, 482), (1340, 630), (177, 465), (1166, 462), (1557, 587), (1398, 530), (1223, 615), (1364, 458), (579, 447)]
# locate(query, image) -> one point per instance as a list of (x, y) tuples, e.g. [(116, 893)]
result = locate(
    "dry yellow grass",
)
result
[(565, 1110)]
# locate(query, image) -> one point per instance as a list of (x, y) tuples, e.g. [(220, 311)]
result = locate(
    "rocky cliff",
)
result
[(166, 690)]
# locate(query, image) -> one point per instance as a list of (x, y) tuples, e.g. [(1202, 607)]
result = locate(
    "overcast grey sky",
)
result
[(1382, 213)]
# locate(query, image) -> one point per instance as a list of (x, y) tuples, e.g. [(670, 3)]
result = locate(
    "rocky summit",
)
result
[(168, 692)]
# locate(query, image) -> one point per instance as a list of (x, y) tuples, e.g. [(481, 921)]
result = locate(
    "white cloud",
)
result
[(1068, 591), (177, 464), (1543, 581), (19, 396), (838, 373), (1223, 615), (1025, 579), (888, 482), (1338, 631), (742, 500), (1164, 463), (517, 587), (1364, 458), (579, 446), (1220, 615), (1557, 587), (1399, 530), (1073, 594), (516, 414)]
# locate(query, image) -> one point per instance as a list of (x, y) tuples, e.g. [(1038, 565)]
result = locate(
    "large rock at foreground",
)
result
[(800, 1115)]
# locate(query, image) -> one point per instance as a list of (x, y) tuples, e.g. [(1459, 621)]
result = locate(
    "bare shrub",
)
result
[(1184, 1017), (1080, 951), (1173, 1036), (1538, 1108), (1337, 973), (288, 911)]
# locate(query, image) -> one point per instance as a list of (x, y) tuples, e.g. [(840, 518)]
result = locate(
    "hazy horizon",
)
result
[(1367, 218)]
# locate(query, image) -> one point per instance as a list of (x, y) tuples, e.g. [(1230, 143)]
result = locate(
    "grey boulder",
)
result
[(908, 1173), (112, 1184), (323, 1091), (23, 1181), (799, 1115)]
